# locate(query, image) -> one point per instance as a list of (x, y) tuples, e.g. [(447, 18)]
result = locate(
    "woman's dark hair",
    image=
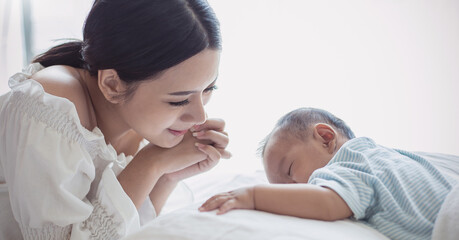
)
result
[(139, 39), (298, 123)]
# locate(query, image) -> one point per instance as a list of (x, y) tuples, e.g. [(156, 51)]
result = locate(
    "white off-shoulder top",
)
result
[(58, 178)]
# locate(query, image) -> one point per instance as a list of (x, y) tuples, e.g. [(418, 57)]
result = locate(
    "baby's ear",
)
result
[(326, 134)]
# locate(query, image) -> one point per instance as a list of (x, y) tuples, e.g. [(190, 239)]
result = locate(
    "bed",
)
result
[(182, 221)]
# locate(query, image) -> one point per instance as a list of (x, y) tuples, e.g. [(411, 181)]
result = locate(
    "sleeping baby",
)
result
[(339, 176)]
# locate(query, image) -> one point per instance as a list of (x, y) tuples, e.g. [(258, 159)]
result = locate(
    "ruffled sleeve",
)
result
[(61, 178)]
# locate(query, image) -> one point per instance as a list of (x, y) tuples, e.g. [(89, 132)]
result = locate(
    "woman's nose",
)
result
[(195, 113), (200, 116)]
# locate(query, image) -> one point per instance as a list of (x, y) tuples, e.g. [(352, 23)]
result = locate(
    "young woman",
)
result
[(74, 121)]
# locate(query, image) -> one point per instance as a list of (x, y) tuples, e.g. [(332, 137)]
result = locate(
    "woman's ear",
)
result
[(327, 135), (111, 86)]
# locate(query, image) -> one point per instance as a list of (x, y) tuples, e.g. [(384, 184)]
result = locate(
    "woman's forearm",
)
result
[(139, 178), (301, 200), (161, 192)]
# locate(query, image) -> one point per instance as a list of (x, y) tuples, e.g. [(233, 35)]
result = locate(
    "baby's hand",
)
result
[(242, 198)]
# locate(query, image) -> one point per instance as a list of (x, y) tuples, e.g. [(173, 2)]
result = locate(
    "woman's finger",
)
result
[(212, 123), (212, 153), (224, 153), (219, 139)]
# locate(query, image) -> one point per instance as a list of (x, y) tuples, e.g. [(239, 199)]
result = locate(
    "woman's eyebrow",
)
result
[(181, 93)]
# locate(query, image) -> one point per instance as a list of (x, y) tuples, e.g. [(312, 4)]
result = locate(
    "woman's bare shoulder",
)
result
[(66, 82)]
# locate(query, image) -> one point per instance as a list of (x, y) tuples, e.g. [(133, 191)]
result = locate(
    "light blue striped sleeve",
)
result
[(350, 176), (355, 192)]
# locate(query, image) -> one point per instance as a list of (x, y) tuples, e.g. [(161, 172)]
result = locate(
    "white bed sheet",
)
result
[(181, 220), (189, 224)]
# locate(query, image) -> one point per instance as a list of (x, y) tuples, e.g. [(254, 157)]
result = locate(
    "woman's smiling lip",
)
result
[(178, 132)]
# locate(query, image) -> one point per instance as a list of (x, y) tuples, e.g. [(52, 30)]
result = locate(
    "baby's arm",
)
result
[(299, 200)]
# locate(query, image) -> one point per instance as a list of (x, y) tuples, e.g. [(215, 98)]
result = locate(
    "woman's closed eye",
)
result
[(181, 103), (210, 89), (186, 101)]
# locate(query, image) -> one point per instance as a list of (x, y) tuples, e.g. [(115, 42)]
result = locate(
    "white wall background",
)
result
[(390, 69)]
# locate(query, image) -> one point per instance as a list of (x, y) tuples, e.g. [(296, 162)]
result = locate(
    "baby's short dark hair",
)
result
[(298, 122)]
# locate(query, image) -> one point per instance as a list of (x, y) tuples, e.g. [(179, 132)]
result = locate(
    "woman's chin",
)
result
[(169, 143)]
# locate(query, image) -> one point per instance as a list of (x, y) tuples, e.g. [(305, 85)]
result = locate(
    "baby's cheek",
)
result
[(300, 176)]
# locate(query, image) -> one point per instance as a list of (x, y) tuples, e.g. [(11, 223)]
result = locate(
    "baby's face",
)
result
[(288, 159)]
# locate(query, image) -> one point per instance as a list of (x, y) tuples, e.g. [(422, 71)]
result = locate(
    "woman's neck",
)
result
[(105, 115)]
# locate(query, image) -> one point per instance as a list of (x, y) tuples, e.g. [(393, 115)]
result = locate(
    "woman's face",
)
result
[(164, 109)]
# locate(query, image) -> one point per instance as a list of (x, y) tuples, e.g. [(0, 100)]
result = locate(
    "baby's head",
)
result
[(302, 141)]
